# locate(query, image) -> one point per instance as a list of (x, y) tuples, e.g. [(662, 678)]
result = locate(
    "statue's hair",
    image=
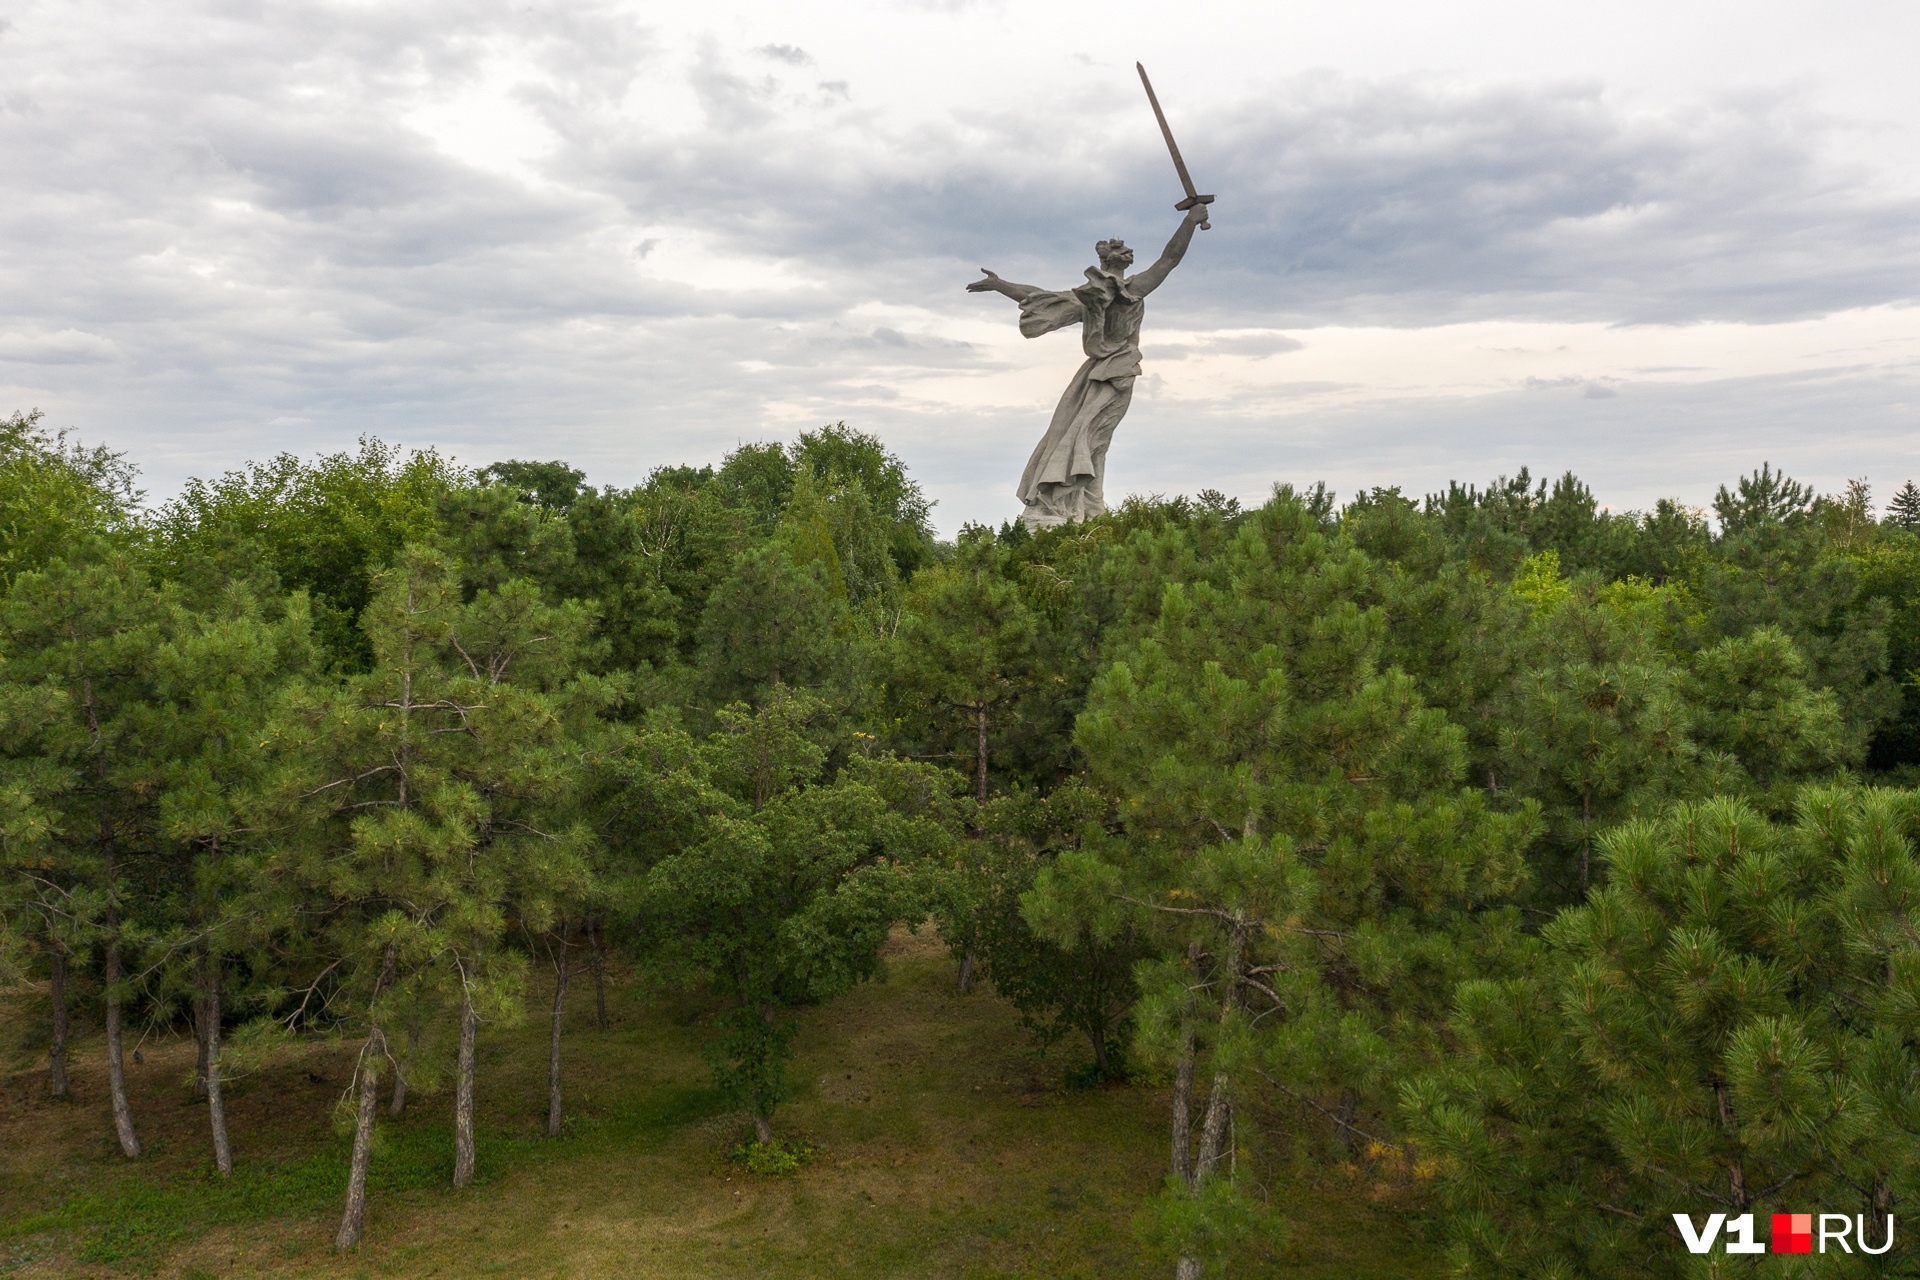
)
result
[(1107, 248)]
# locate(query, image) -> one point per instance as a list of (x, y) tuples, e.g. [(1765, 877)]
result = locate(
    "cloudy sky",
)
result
[(1655, 243)]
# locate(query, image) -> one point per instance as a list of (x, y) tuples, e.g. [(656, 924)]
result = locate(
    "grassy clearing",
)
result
[(945, 1149)]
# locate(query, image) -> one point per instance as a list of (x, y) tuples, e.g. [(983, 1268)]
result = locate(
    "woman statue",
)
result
[(1064, 478)]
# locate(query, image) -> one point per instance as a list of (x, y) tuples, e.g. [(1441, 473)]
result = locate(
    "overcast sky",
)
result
[(1655, 243)]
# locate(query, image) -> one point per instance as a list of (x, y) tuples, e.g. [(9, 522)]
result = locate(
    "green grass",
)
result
[(943, 1148)]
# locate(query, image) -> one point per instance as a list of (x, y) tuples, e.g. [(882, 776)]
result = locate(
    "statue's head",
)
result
[(1114, 254)]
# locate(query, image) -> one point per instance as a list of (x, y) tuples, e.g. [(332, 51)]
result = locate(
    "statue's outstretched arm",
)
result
[(1149, 280), (994, 284)]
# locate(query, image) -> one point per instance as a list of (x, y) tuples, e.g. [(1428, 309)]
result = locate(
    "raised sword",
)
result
[(1179, 165)]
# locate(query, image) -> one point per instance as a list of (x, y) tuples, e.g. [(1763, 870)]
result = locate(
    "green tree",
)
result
[(965, 651), (326, 527), (1751, 702), (757, 478), (494, 536), (1774, 566), (54, 494), (1889, 568), (773, 621), (786, 881), (551, 485), (90, 628), (859, 463), (44, 906), (650, 557), (1295, 834), (430, 799), (1726, 1025), (216, 678), (1595, 726), (1904, 510), (1081, 984)]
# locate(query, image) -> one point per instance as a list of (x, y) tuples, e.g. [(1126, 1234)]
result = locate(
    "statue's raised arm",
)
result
[(1147, 281)]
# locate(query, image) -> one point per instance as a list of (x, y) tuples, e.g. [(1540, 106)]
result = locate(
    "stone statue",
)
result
[(1064, 477)]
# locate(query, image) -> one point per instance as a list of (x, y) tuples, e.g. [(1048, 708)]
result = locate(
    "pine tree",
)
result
[(1751, 703), (1295, 834), (965, 649), (775, 620), (1774, 565), (91, 627), (432, 796), (1725, 1025), (216, 679), (42, 906), (1594, 725), (1904, 510), (63, 503)]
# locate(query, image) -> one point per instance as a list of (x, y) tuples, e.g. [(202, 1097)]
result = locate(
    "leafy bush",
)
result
[(776, 1159)]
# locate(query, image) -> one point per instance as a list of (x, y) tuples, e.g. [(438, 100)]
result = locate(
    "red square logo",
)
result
[(1793, 1233)]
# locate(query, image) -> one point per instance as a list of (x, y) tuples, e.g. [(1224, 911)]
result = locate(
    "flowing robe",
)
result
[(1065, 476)]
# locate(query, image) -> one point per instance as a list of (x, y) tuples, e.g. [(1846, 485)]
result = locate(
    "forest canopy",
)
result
[(1558, 857)]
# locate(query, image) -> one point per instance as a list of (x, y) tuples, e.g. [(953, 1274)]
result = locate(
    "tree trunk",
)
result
[(599, 973), (116, 1068), (367, 1080), (1881, 1199), (369, 1086), (980, 752), (463, 1095), (1586, 839), (1213, 1130), (1183, 1097), (200, 1026), (57, 1051), (1736, 1174), (553, 1046), (1101, 1062), (980, 797), (762, 1128), (1349, 1108), (400, 1072), (210, 1044)]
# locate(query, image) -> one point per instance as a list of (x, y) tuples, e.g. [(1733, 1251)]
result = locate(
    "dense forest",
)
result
[(1559, 858)]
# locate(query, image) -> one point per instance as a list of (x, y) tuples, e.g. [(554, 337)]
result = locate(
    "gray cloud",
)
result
[(1256, 346), (69, 346), (792, 54)]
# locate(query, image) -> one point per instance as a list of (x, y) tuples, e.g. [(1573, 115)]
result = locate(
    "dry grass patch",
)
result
[(945, 1149)]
